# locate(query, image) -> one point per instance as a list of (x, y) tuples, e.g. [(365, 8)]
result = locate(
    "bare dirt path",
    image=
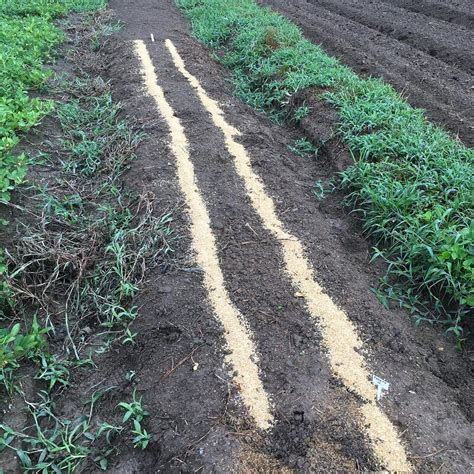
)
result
[(184, 362), (427, 58)]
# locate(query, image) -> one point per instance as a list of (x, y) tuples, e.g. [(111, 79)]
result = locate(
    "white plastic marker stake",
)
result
[(381, 386)]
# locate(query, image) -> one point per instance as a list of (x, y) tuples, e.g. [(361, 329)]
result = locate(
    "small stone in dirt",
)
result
[(298, 416), (87, 329)]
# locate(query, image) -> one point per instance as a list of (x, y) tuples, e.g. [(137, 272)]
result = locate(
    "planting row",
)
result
[(409, 180), (79, 253)]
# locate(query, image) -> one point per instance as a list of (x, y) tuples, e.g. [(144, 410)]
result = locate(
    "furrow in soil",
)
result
[(459, 13), (445, 91), (339, 335), (242, 357)]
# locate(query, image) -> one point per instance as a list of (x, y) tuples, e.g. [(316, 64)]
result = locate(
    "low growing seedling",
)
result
[(322, 188), (54, 371), (300, 113), (15, 346), (141, 437), (135, 413), (303, 147), (133, 410), (129, 337)]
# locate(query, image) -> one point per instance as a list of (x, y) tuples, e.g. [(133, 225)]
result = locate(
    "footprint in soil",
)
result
[(171, 334)]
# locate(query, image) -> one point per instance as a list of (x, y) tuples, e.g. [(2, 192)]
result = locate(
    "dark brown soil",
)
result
[(459, 12), (199, 423), (423, 48), (196, 415)]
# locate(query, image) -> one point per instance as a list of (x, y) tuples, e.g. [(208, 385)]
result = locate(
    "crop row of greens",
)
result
[(410, 181)]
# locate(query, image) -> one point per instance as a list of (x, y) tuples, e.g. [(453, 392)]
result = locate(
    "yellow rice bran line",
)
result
[(242, 357)]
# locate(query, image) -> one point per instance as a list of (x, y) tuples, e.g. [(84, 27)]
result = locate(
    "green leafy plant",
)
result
[(133, 410), (300, 113), (322, 188), (303, 147), (135, 413), (410, 181), (56, 444), (77, 263), (129, 337), (141, 437), (28, 37), (53, 371), (14, 345)]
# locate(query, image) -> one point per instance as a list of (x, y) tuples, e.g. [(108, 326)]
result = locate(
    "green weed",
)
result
[(53, 371), (56, 444), (411, 182), (93, 133), (303, 147), (97, 223), (80, 264), (322, 188), (300, 113), (15, 346), (135, 413), (27, 40)]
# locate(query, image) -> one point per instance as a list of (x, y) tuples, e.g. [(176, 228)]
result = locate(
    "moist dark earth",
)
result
[(196, 416), (425, 49)]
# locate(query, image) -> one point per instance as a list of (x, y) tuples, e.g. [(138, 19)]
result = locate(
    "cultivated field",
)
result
[(232, 242), (422, 48)]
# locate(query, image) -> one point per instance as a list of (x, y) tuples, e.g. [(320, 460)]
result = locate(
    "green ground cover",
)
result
[(27, 39), (28, 36), (81, 251), (410, 182)]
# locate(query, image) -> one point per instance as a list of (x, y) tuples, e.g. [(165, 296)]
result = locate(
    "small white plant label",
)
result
[(381, 385)]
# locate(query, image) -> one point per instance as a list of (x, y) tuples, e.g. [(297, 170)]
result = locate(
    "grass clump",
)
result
[(411, 182), (303, 147)]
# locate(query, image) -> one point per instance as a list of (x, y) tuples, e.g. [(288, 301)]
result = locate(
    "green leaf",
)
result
[(24, 458)]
